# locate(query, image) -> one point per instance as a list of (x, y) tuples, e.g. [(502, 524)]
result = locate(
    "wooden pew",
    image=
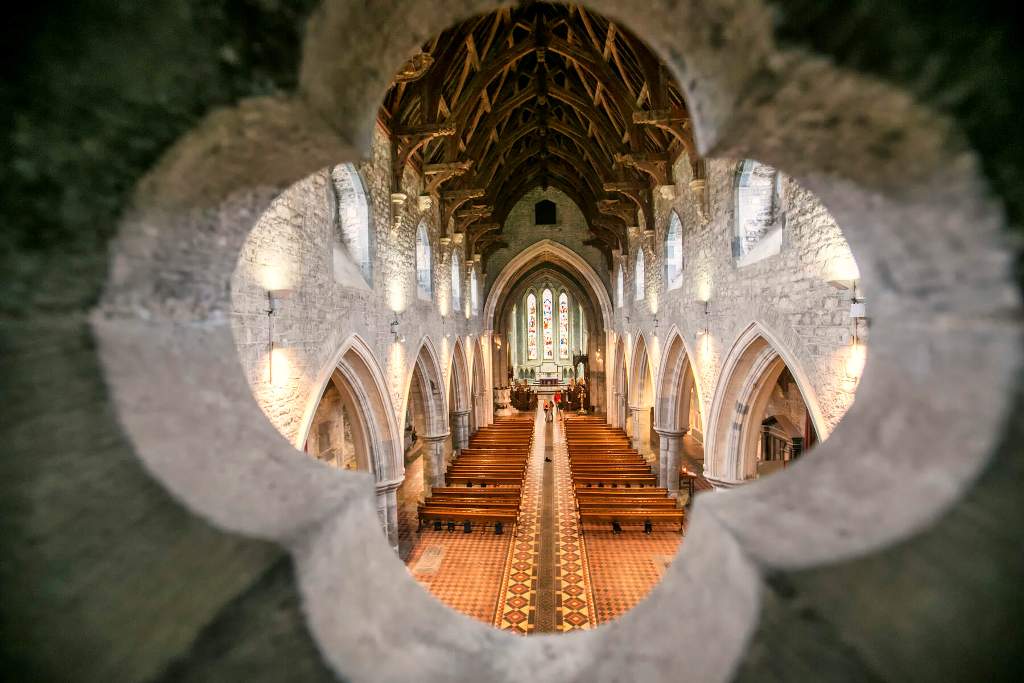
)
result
[(457, 516), (632, 516), (615, 480), (497, 491)]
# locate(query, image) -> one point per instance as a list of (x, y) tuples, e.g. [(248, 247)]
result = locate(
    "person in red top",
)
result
[(557, 403)]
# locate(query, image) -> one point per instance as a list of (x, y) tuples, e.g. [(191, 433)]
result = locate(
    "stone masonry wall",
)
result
[(788, 294), (291, 248), (520, 232)]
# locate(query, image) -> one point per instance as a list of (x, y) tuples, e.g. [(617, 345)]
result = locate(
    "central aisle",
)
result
[(546, 587)]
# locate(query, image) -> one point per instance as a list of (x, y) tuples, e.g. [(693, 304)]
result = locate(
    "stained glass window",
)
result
[(674, 253), (456, 282), (547, 322), (638, 274), (757, 190), (474, 291), (531, 327), (618, 287), (424, 265), (563, 325)]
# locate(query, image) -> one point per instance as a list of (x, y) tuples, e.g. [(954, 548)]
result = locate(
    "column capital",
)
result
[(671, 432), (435, 438), (461, 413), (388, 486)]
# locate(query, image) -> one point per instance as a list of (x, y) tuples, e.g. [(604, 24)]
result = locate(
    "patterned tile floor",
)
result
[(461, 570), (625, 567), (598, 576), (517, 599), (575, 594)]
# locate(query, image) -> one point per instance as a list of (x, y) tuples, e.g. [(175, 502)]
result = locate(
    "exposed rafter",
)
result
[(539, 95)]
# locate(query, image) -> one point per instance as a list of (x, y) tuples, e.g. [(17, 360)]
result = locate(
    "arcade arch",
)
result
[(761, 381)]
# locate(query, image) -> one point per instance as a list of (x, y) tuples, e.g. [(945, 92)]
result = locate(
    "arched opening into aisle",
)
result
[(678, 416), (764, 414), (640, 401), (478, 391), (459, 398), (426, 444), (620, 387), (351, 426)]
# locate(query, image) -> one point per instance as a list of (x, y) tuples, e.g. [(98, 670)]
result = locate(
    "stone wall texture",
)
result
[(161, 532)]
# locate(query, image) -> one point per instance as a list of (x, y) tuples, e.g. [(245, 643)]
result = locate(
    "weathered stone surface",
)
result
[(113, 580)]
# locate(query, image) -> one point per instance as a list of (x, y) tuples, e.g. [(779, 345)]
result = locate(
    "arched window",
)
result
[(638, 274), (546, 325), (545, 212), (759, 217), (424, 263), (531, 327), (674, 253), (353, 247), (513, 342), (474, 292), (619, 283), (563, 325), (456, 281)]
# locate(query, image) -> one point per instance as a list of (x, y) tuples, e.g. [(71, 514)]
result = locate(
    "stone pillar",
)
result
[(387, 509), (669, 459), (434, 465), (461, 429), (635, 437)]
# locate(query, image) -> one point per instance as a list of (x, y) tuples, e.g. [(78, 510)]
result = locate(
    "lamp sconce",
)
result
[(398, 337), (444, 331), (858, 309), (707, 319), (274, 298), (655, 322)]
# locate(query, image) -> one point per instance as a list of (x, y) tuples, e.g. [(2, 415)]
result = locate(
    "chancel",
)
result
[(392, 341)]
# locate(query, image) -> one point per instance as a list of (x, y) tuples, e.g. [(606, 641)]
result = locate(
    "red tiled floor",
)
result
[(624, 567)]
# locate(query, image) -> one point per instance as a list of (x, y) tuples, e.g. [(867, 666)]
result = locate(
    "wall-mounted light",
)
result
[(704, 331), (655, 322), (855, 358), (398, 336), (857, 354), (274, 298)]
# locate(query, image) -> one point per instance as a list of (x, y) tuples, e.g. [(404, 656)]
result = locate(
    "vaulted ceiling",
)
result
[(538, 95)]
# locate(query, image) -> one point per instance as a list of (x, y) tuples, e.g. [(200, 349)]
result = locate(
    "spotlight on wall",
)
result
[(398, 336), (855, 358), (274, 298), (707, 318)]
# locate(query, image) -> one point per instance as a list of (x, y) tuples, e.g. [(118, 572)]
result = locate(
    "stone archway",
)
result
[(677, 409), (620, 386), (755, 362), (479, 389), (640, 396), (460, 397)]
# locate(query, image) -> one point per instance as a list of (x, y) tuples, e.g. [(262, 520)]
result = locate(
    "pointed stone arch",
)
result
[(359, 378), (460, 400), (538, 251), (425, 373), (755, 359), (676, 376), (479, 389), (619, 384)]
